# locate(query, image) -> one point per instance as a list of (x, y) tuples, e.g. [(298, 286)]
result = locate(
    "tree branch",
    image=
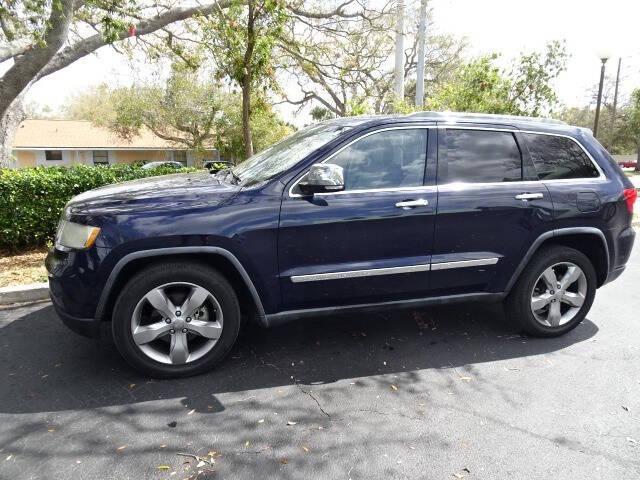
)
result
[(27, 66)]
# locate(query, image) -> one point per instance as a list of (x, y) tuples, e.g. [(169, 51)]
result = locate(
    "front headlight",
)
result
[(75, 236)]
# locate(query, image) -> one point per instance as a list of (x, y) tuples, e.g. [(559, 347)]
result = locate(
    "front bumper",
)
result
[(87, 327), (73, 290)]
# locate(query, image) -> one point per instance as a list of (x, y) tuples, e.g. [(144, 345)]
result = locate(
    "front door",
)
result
[(371, 242), (491, 208)]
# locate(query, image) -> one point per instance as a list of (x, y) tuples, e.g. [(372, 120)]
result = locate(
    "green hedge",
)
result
[(32, 199)]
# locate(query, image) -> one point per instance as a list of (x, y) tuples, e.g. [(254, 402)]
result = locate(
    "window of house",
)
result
[(559, 158), (388, 159), (101, 157), (180, 156), (480, 156), (53, 154)]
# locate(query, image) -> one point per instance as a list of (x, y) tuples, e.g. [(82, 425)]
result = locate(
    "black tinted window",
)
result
[(389, 159), (559, 157), (477, 156)]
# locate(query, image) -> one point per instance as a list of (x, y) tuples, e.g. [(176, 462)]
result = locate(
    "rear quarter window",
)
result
[(557, 158)]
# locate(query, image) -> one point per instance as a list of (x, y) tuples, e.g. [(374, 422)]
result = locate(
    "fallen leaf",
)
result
[(51, 430), (119, 449), (393, 387), (626, 409), (261, 420), (164, 467), (284, 461), (172, 424), (131, 385), (246, 444), (212, 453), (78, 461), (164, 445), (291, 423), (191, 412), (201, 464), (8, 458), (45, 376), (458, 475), (306, 449), (466, 379)]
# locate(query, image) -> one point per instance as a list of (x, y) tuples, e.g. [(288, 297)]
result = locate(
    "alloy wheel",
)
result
[(558, 294), (177, 323)]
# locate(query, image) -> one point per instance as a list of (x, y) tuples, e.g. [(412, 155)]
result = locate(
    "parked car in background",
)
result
[(168, 163), (347, 215), (628, 164)]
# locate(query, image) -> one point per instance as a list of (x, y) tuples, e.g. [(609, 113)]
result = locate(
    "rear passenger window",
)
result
[(559, 158), (479, 156)]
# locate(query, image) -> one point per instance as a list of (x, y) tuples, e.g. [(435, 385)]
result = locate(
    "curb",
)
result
[(33, 292)]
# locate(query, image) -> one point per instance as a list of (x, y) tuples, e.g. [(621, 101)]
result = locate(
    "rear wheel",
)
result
[(176, 319), (554, 293)]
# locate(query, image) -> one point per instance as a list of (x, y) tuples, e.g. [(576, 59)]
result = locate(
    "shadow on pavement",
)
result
[(44, 367)]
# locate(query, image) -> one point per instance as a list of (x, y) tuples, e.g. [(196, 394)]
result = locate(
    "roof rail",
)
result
[(488, 116)]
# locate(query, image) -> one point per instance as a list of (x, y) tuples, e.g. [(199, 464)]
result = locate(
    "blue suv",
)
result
[(347, 215)]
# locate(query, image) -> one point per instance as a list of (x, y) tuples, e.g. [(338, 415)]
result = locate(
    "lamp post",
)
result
[(603, 59)]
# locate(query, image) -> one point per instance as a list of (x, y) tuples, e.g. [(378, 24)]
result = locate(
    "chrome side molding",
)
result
[(371, 272)]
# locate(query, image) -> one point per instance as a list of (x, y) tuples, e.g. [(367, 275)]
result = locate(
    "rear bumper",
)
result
[(622, 251), (87, 327)]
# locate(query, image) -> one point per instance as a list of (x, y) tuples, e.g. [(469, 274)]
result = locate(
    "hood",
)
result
[(181, 190)]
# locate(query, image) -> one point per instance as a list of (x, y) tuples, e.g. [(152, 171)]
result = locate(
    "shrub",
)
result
[(32, 199)]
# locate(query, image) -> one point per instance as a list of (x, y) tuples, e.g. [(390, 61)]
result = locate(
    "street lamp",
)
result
[(603, 59)]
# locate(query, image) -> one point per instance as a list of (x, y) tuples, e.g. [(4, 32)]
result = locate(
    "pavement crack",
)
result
[(307, 392)]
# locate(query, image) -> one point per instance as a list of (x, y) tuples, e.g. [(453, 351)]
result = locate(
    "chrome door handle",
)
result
[(407, 204), (528, 196)]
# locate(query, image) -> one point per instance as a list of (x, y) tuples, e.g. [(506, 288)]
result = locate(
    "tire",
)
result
[(177, 354), (532, 286)]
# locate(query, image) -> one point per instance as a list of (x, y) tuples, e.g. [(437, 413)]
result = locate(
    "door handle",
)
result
[(408, 204), (529, 196)]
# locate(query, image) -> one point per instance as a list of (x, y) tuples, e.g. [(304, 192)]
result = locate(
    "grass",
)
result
[(22, 267)]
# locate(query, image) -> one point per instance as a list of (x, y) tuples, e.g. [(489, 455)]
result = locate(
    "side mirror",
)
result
[(323, 177)]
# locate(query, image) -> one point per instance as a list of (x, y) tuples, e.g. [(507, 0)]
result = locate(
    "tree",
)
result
[(618, 137), (41, 37), (242, 39), (524, 89), (632, 122), (343, 65), (186, 111)]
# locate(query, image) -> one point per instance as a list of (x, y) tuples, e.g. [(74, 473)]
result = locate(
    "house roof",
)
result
[(77, 134)]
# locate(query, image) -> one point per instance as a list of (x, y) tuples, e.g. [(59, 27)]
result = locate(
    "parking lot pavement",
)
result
[(441, 393)]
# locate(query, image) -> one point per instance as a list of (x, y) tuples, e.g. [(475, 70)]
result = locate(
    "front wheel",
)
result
[(176, 320), (554, 293)]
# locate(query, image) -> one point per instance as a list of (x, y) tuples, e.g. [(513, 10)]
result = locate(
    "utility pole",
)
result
[(615, 99), (599, 100), (399, 66), (422, 34)]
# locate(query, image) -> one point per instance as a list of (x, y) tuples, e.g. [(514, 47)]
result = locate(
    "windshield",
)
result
[(285, 154)]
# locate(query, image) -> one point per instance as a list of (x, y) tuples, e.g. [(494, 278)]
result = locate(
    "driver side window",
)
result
[(387, 159)]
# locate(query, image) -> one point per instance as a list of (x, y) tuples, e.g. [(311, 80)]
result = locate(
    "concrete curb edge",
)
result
[(32, 292)]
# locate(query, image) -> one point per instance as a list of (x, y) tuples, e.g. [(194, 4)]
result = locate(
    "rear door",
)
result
[(490, 209), (371, 242)]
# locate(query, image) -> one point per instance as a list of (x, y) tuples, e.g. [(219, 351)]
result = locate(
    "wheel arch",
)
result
[(215, 257), (588, 240)]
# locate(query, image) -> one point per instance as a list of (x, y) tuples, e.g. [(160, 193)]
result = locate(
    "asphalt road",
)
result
[(435, 394)]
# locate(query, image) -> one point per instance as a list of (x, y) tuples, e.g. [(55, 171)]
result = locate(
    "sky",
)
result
[(590, 28)]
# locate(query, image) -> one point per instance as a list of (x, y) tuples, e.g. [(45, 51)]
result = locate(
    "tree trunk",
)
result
[(638, 159), (9, 123), (246, 118)]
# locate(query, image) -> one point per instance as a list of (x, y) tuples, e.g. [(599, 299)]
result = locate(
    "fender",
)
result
[(552, 234), (177, 251)]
